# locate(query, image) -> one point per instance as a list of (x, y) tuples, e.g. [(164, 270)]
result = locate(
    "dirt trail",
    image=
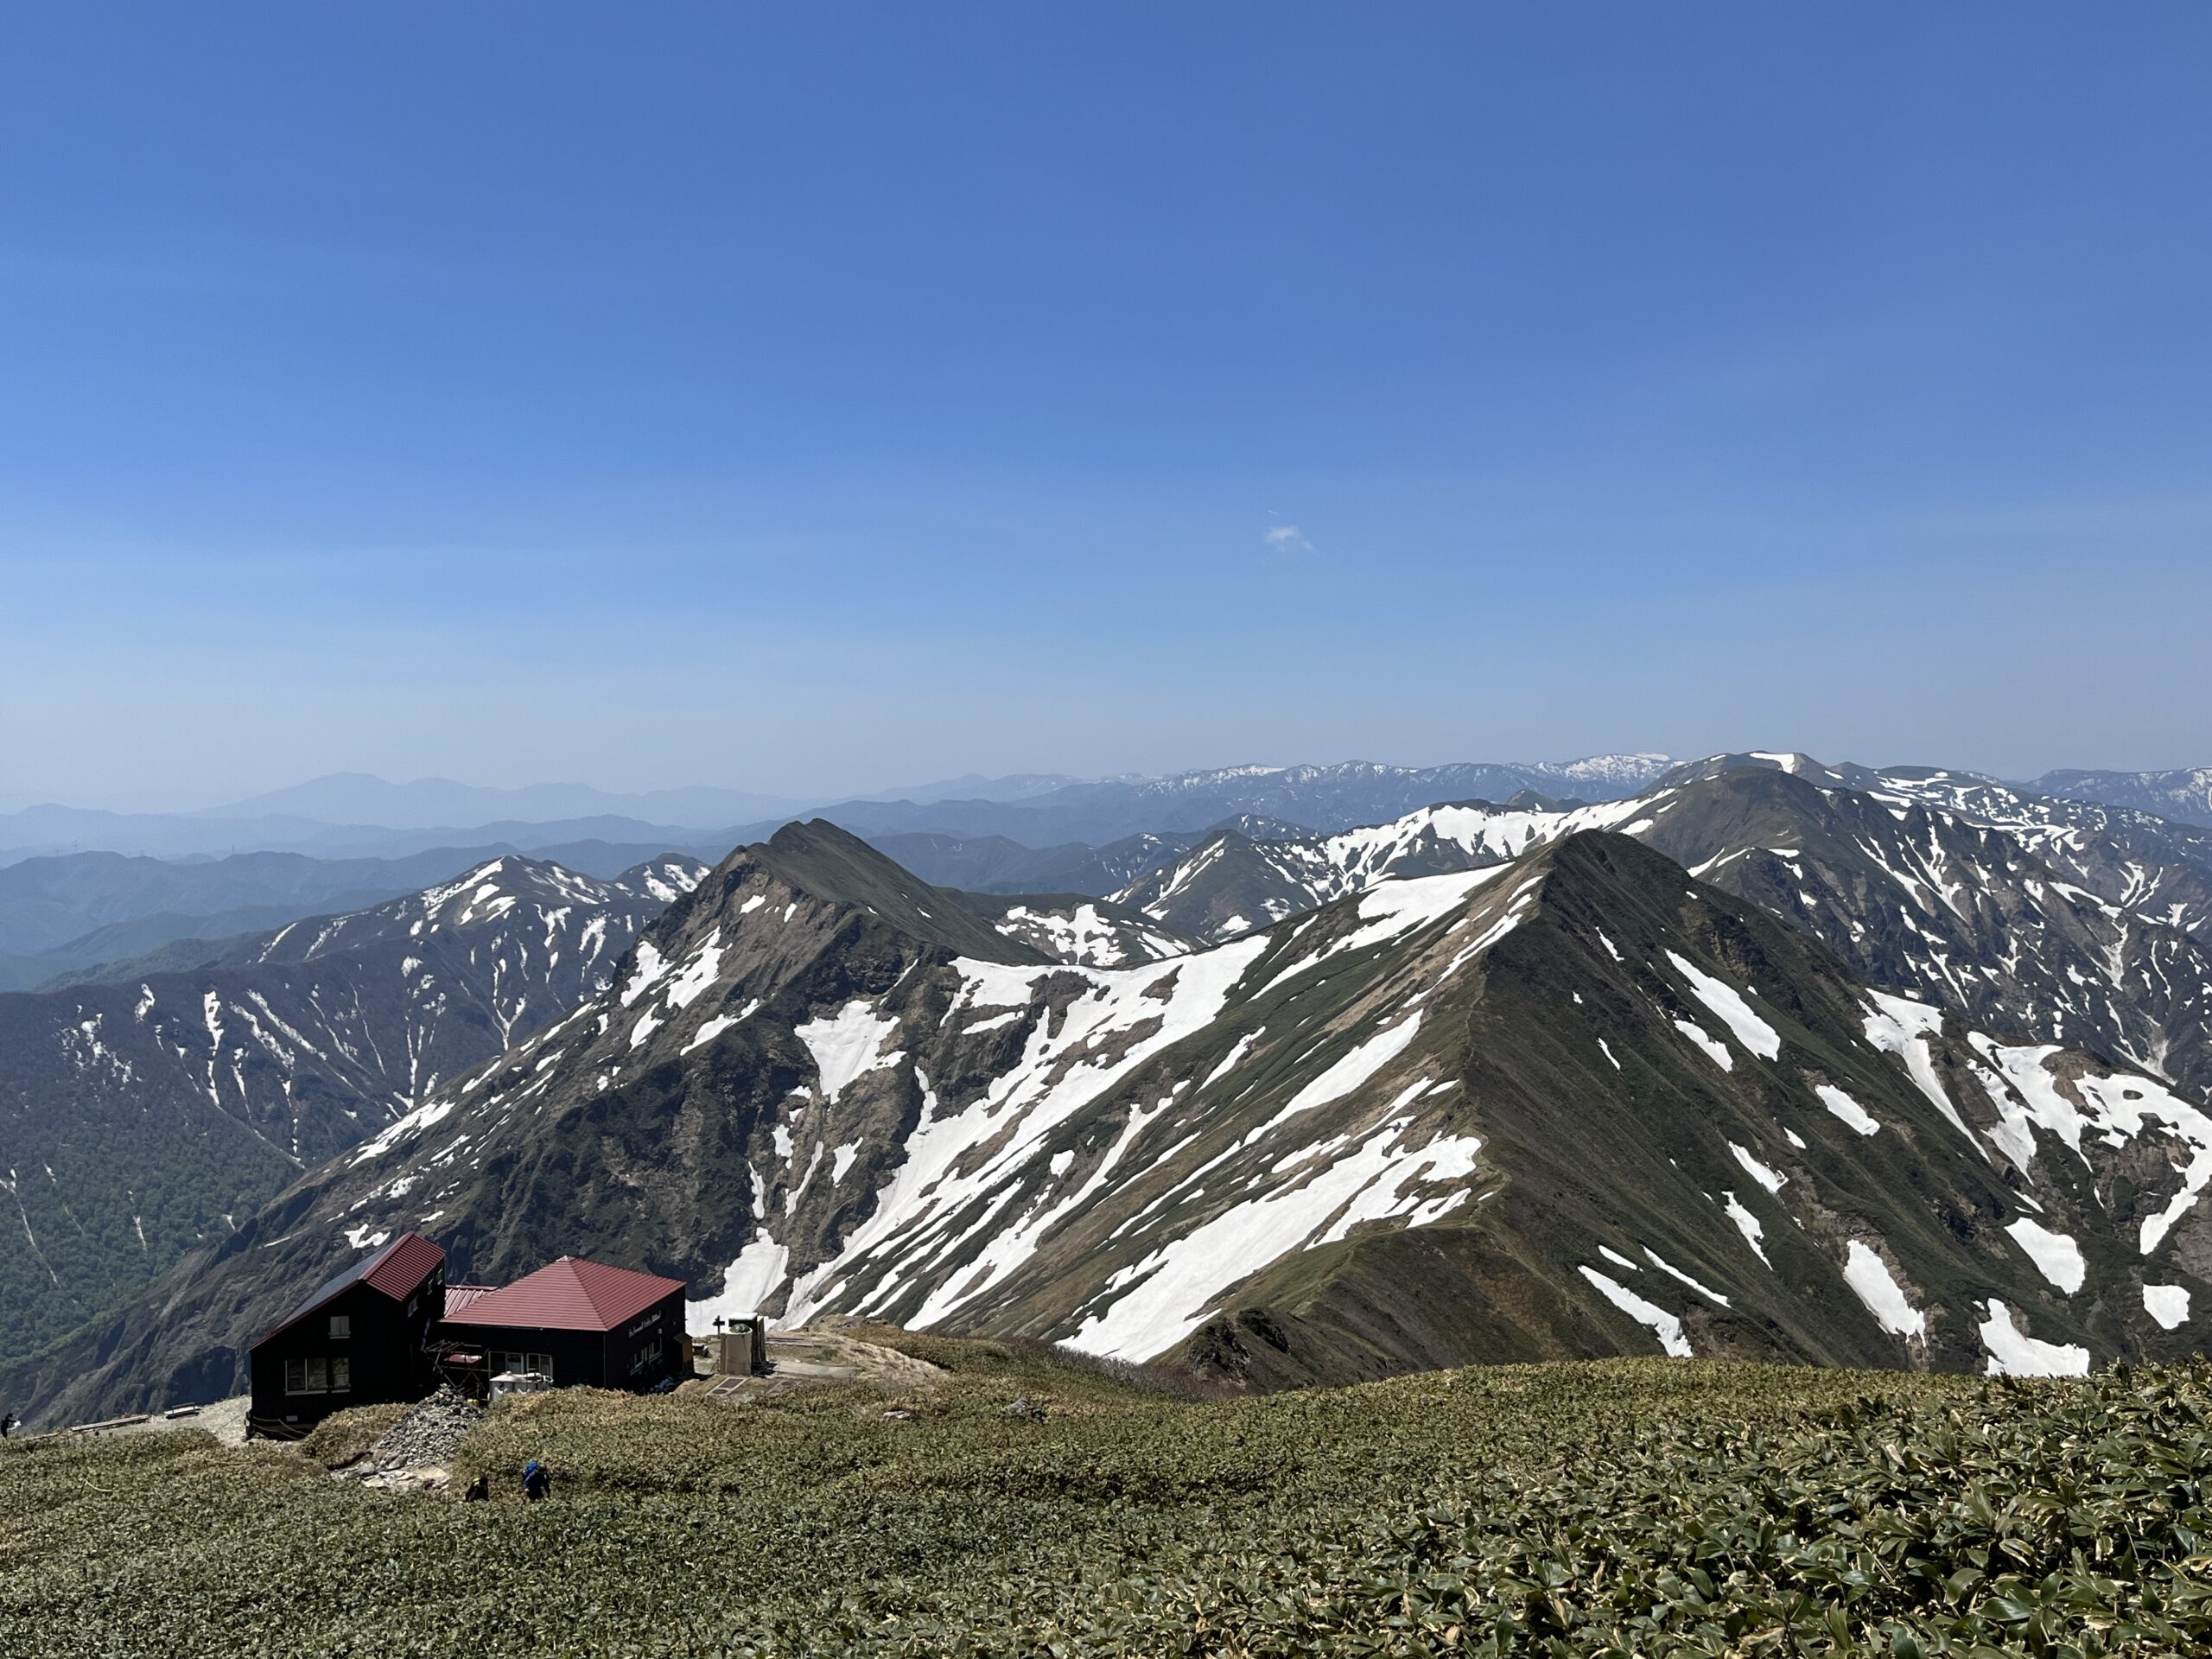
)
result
[(815, 1355), (225, 1420)]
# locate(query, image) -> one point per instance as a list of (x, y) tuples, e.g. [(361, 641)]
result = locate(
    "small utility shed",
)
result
[(358, 1338), (579, 1323)]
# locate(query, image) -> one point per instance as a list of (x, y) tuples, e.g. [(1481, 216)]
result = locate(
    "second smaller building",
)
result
[(579, 1323)]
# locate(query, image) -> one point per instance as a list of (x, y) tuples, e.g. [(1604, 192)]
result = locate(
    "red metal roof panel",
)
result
[(400, 1271), (567, 1296), (460, 1296), (395, 1269)]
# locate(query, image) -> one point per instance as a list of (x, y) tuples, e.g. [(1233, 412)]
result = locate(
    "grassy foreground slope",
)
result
[(1640, 1506)]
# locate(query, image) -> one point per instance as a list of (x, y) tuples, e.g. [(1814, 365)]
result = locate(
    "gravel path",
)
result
[(225, 1420)]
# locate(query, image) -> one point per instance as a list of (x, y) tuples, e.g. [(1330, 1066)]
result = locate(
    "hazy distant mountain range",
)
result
[(66, 917), (355, 816), (67, 911), (355, 798), (352, 814), (66, 914), (2185, 795)]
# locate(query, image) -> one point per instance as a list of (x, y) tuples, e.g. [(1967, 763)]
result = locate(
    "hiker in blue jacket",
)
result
[(536, 1480)]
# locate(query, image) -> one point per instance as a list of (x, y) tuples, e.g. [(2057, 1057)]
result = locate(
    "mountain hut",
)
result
[(574, 1323), (358, 1338)]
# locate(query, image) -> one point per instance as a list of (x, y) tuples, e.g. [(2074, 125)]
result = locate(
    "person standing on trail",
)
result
[(7, 1423), (536, 1480)]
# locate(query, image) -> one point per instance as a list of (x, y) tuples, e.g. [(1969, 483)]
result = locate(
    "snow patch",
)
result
[(1664, 1326), (2012, 1352), (1843, 1106), (1728, 1005), (1747, 1225), (746, 1282), (1872, 1281), (2056, 1256), (1716, 1051), (1674, 1272), (698, 973), (2167, 1304), (1899, 1025), (848, 1045), (1773, 1180), (650, 967), (711, 1029)]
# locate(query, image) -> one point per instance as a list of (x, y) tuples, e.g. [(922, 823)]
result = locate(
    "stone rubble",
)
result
[(425, 1438)]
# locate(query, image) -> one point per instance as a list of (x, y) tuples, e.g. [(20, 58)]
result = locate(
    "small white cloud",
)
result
[(1287, 538)]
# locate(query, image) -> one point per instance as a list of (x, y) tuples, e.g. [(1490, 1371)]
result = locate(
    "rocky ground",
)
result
[(416, 1452)]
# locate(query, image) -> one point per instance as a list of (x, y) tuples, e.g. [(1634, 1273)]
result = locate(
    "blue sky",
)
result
[(808, 398)]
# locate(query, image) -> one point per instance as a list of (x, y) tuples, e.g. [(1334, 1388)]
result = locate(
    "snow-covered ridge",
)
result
[(986, 1180), (1306, 872), (1086, 935)]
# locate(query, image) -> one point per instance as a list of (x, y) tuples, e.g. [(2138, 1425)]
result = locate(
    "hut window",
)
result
[(341, 1374), (308, 1376), (342, 1326), (313, 1376)]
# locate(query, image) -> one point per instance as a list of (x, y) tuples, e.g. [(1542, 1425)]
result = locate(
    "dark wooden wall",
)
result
[(384, 1351)]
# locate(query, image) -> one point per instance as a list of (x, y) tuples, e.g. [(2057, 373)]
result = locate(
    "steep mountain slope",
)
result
[(1918, 898), (1721, 1146), (2184, 795), (2147, 865), (1928, 901), (139, 1119), (1575, 1104)]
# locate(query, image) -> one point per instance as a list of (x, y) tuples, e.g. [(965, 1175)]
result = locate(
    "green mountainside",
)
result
[(141, 1120)]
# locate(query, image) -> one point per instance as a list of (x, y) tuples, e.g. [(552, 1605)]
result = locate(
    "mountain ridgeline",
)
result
[(1565, 1099), (2083, 931)]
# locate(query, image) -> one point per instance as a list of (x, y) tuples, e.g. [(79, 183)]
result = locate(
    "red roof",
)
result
[(400, 1271), (567, 1295), (460, 1296), (396, 1270)]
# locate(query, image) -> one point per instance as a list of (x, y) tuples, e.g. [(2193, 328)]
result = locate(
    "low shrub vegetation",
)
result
[(345, 1437), (1641, 1507)]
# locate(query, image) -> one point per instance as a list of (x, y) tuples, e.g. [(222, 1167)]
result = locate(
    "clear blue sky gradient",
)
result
[(810, 397)]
